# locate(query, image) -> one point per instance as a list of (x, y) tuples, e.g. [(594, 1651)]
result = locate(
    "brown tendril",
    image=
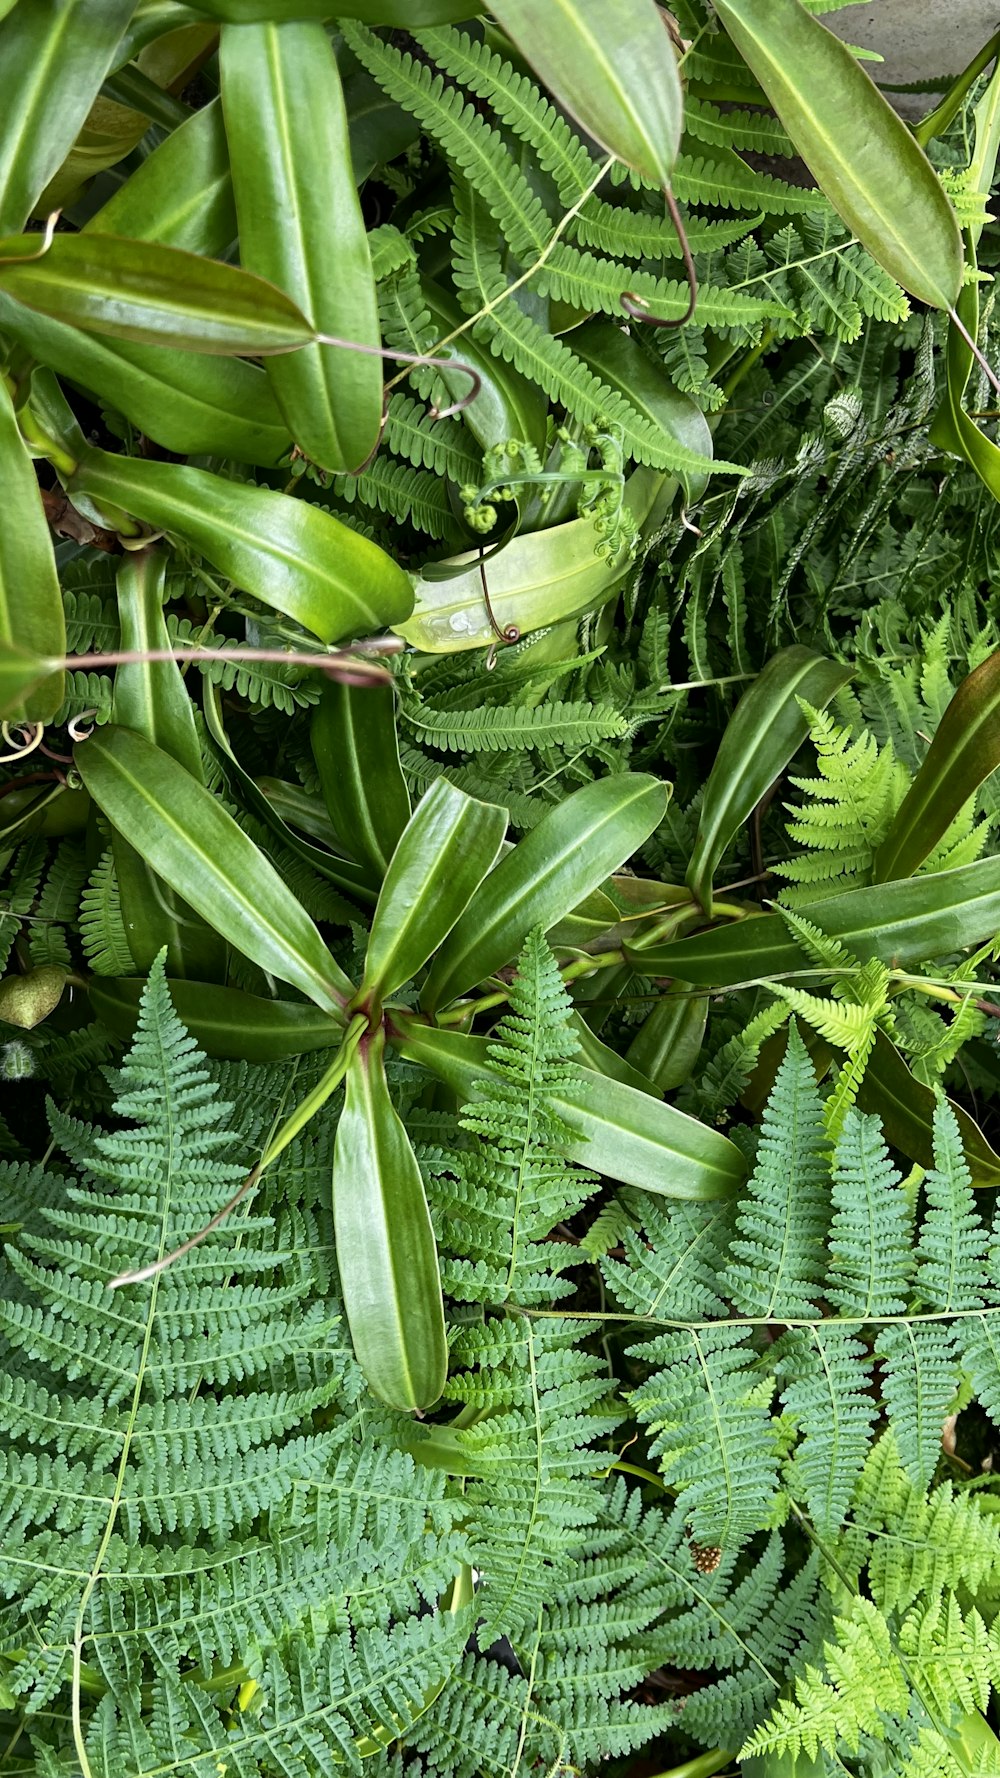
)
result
[(631, 303), (417, 359), (508, 635)]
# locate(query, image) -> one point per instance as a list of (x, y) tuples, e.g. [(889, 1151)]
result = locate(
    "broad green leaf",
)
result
[(54, 55), (903, 923), (32, 629), (621, 363), (612, 65), (301, 227), (151, 699), (668, 1043), (385, 1244), (223, 1021), (448, 846), (181, 195), (21, 674), (537, 579), (906, 1108), (157, 296), (963, 753), (184, 401), (354, 744), (292, 555), (187, 837), (575, 846), (765, 730), (617, 1130), (858, 150)]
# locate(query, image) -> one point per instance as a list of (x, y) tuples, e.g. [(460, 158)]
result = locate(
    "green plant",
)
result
[(499, 667)]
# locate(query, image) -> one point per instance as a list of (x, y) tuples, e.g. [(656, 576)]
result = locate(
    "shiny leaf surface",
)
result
[(385, 1244)]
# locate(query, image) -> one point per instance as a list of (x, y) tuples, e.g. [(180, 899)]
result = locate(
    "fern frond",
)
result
[(847, 812), (18, 891), (917, 1544), (57, 907), (500, 1198), (672, 1260), (707, 1410), (438, 445), (504, 728), (267, 684), (776, 1266), (952, 1246), (826, 1373), (515, 337), (472, 146), (403, 493), (919, 1380), (871, 1226), (102, 928)]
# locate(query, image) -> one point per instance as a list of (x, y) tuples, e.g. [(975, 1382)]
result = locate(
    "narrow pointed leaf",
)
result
[(151, 699), (902, 923), (385, 1244), (616, 1129), (445, 852), (354, 744), (963, 753), (612, 64), (288, 553), (573, 849), (159, 296), (301, 227), (223, 1021), (766, 729), (32, 627), (858, 150), (54, 55), (188, 838)]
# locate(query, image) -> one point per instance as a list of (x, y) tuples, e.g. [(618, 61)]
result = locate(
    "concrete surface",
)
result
[(920, 39)]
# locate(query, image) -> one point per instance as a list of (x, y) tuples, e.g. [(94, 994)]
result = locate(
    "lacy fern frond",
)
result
[(707, 1410), (846, 814), (777, 1263), (499, 1199), (177, 1499)]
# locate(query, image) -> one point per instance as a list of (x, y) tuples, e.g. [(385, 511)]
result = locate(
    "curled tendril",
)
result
[(22, 738), (632, 304), (75, 729), (418, 360), (510, 634)]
